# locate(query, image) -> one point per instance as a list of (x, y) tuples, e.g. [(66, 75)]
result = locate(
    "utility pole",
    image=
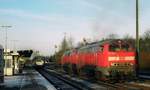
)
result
[(14, 44), (55, 52), (65, 35), (6, 37), (137, 37), (5, 53)]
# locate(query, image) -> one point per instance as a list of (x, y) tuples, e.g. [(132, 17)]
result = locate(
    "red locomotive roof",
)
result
[(99, 43)]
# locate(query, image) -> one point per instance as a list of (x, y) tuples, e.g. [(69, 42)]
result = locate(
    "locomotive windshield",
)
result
[(120, 47)]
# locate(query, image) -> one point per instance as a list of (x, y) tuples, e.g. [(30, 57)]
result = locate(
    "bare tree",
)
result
[(127, 37), (80, 44), (65, 45), (130, 40), (146, 35), (112, 36), (145, 41), (71, 42)]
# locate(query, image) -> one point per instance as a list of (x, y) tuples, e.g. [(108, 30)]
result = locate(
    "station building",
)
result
[(11, 62)]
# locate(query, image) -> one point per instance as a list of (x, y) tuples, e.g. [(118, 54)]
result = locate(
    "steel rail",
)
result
[(59, 82)]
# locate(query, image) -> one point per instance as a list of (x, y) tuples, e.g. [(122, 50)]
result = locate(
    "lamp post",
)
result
[(55, 52), (6, 37), (14, 45), (137, 37)]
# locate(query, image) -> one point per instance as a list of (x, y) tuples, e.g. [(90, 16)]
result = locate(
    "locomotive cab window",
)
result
[(101, 48), (119, 47), (67, 53)]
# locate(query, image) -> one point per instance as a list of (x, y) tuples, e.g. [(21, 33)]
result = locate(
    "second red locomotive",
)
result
[(108, 59)]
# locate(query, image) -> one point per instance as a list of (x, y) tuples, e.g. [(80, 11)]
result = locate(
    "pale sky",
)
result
[(41, 24)]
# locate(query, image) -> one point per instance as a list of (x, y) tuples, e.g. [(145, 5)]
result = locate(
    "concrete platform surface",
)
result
[(29, 80)]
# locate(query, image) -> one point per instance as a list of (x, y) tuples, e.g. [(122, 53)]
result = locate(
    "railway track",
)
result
[(119, 86), (61, 83), (144, 76), (98, 85)]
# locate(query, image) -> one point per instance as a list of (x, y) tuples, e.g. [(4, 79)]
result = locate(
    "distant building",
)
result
[(16, 59), (11, 62), (8, 70)]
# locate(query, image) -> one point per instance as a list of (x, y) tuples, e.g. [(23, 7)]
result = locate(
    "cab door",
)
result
[(99, 54)]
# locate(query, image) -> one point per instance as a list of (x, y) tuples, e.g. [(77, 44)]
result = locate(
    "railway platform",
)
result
[(30, 79)]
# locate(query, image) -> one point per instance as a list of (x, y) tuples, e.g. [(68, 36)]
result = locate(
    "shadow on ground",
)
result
[(26, 87), (34, 87), (8, 88)]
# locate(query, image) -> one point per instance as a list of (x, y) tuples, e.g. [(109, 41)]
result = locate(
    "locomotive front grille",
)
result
[(121, 64), (122, 67)]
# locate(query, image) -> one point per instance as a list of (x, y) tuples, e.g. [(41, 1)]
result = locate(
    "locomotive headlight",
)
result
[(131, 64), (112, 64)]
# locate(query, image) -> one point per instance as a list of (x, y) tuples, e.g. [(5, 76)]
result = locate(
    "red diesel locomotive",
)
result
[(106, 60)]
